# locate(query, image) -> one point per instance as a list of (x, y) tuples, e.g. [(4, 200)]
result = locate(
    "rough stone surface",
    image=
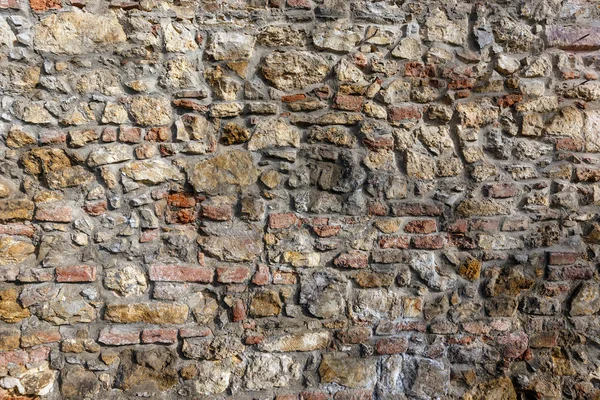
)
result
[(299, 199)]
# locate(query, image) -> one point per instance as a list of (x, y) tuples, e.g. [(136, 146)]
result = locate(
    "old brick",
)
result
[(422, 226), (76, 273), (232, 274), (160, 335), (180, 273)]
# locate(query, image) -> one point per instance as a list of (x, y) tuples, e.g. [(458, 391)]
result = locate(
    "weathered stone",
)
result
[(273, 133), (347, 371), (151, 172), (11, 210), (265, 304), (587, 300), (126, 281), (496, 389), (228, 46), (66, 308), (296, 342), (440, 28), (151, 111), (267, 371), (77, 33), (294, 70), (10, 311), (337, 36), (213, 377), (112, 154), (281, 35), (234, 168), (150, 313)]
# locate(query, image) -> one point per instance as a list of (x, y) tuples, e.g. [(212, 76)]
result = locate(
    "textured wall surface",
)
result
[(299, 199)]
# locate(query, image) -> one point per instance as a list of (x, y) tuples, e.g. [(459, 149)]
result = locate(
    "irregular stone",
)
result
[(273, 133), (347, 371), (294, 70), (151, 172), (220, 173), (230, 46), (10, 311), (150, 313), (440, 28), (587, 300), (74, 33), (495, 389), (77, 383), (568, 122), (126, 281), (337, 36), (66, 308), (68, 177), (16, 209), (111, 154), (213, 377), (151, 111), (180, 37), (281, 35), (268, 371), (265, 304)]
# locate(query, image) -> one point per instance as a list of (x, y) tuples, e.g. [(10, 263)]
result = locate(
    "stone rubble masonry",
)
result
[(299, 199)]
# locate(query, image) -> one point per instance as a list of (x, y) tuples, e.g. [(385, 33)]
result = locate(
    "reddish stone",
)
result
[(575, 37), (34, 338), (353, 395), (348, 102), (293, 97), (17, 230), (286, 397), (96, 208), (585, 174), (109, 134), (119, 336), (181, 200), (35, 275), (53, 137), (9, 3), (355, 335), (502, 190), (403, 113), (130, 134), (486, 225), (568, 144), (149, 235), (158, 134), (262, 275), (223, 212), (50, 212), (352, 259), (394, 242), (515, 224), (44, 5), (233, 274), (462, 83), (419, 326), (253, 339), (195, 331), (282, 221), (459, 226), (284, 278), (239, 310), (419, 70), (314, 396), (509, 100), (76, 273), (160, 335), (377, 208), (562, 258), (379, 143), (392, 345), (182, 216), (421, 226), (327, 230), (416, 209), (430, 242), (191, 105), (180, 273)]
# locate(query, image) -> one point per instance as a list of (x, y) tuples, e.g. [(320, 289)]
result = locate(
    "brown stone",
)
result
[(150, 313)]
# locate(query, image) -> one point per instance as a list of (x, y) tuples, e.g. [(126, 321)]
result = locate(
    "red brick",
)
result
[(419, 70), (44, 5), (223, 212), (284, 278), (17, 229), (568, 144), (51, 212), (392, 345), (180, 273), (314, 396), (9, 3), (195, 331), (562, 258), (353, 395), (394, 242), (459, 226), (430, 242), (403, 113), (233, 274), (502, 190), (262, 275), (421, 226), (379, 143), (486, 225), (160, 335), (326, 230), (416, 209), (348, 103), (238, 311), (293, 97), (119, 336), (130, 134), (76, 273), (282, 221), (95, 208), (352, 259), (181, 200)]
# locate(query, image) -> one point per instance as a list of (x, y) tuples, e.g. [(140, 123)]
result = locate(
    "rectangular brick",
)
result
[(119, 336), (429, 242), (52, 212), (180, 273), (166, 335), (233, 274), (76, 273), (282, 221), (562, 258)]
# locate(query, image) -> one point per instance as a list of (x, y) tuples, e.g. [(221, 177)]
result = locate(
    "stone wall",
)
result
[(299, 199)]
